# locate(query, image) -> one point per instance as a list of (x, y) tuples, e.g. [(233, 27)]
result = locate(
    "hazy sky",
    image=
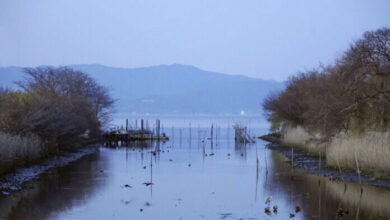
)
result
[(264, 39)]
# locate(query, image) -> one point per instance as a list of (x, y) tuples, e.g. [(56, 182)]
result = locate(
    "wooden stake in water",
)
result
[(199, 133), (292, 157), (173, 135), (190, 139), (319, 161), (266, 165), (212, 131), (180, 136), (190, 132), (357, 168)]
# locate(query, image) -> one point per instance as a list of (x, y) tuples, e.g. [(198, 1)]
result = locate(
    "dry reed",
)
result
[(298, 137), (372, 151), (16, 150)]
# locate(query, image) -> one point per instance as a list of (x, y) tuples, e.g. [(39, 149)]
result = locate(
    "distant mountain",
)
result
[(172, 88)]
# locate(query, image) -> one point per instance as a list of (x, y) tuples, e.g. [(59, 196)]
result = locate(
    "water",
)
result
[(228, 183)]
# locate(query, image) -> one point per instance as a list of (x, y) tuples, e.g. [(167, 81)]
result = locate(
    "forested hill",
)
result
[(172, 88)]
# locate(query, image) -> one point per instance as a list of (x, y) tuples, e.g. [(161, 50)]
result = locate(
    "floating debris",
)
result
[(126, 202), (275, 209), (268, 200), (225, 215), (297, 209), (147, 183), (292, 215), (267, 211), (127, 186)]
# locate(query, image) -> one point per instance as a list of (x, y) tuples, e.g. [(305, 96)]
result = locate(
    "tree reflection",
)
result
[(56, 191)]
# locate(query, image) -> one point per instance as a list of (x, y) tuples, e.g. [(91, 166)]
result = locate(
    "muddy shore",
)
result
[(15, 181), (317, 165)]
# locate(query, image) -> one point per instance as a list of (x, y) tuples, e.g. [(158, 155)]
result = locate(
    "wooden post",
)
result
[(292, 157), (142, 124), (173, 135), (212, 131), (136, 123), (357, 168), (180, 138), (127, 124), (158, 129)]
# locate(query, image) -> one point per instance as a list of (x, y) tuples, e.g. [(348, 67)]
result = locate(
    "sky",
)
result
[(262, 39)]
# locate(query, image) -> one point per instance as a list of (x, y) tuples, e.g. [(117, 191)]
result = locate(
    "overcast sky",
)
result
[(263, 39)]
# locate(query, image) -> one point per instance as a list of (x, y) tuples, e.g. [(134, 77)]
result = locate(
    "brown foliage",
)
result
[(353, 93), (57, 104)]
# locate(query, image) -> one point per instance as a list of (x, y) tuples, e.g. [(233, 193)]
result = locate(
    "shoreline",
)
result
[(15, 181), (317, 166)]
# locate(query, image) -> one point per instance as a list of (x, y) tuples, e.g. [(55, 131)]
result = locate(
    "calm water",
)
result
[(187, 184)]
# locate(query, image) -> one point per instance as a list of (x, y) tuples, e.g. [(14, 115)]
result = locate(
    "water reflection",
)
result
[(240, 149), (57, 191), (326, 198), (192, 179)]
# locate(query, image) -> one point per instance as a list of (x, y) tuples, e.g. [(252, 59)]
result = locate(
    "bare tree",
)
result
[(353, 93)]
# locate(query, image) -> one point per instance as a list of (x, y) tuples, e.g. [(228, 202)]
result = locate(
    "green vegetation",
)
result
[(341, 106), (56, 109)]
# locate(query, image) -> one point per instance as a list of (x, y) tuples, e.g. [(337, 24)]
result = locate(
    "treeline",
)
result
[(352, 94), (54, 110)]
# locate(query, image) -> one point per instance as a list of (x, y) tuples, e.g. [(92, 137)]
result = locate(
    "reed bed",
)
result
[(299, 138), (17, 150), (372, 151)]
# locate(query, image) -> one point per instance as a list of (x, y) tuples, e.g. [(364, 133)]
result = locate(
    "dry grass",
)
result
[(298, 137), (372, 149), (295, 137), (16, 150)]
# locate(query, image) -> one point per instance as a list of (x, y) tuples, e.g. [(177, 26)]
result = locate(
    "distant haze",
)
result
[(173, 89), (262, 39)]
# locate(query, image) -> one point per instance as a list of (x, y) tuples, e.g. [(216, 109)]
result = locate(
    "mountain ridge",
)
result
[(174, 88)]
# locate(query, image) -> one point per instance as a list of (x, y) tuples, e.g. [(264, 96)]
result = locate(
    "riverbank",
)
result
[(16, 181), (318, 165)]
